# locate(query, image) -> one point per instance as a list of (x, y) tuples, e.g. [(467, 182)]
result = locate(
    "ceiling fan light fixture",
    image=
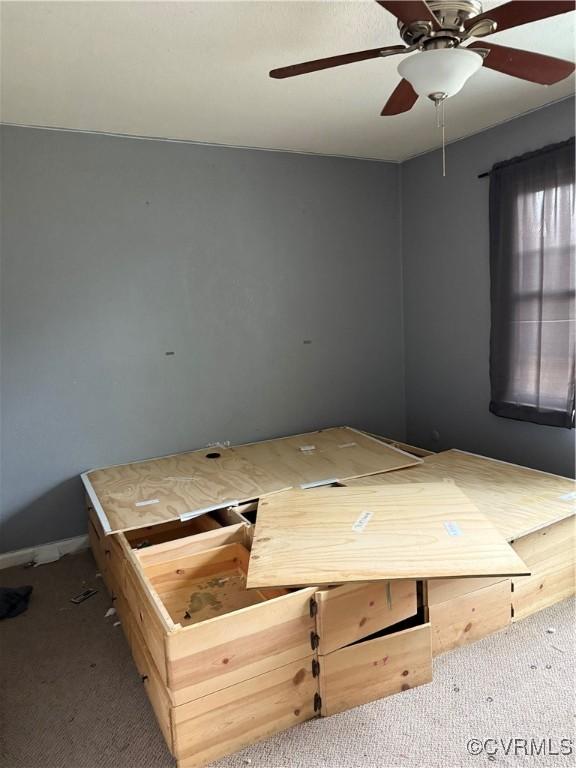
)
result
[(440, 71)]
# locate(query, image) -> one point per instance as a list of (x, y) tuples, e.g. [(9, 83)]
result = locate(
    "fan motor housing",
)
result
[(451, 15)]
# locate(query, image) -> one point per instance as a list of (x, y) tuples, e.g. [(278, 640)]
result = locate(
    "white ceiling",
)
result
[(199, 71)]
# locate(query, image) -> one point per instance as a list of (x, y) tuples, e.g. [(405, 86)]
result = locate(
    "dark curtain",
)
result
[(532, 239)]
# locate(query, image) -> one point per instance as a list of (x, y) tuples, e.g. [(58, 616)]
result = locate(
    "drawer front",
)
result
[(470, 616), (153, 683), (116, 560), (353, 611), (124, 617), (170, 551), (534, 593), (549, 549), (99, 556), (550, 553), (108, 553), (204, 658), (375, 668), (146, 616), (228, 720)]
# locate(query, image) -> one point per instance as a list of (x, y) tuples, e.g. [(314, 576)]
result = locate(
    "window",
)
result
[(532, 270)]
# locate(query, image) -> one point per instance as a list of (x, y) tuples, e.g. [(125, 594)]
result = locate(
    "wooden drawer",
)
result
[(97, 548), (549, 547), (352, 611), (203, 629), (228, 720), (155, 689), (215, 725), (112, 551), (550, 553), (375, 668), (534, 593), (470, 616)]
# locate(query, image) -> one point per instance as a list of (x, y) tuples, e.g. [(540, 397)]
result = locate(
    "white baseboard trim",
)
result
[(44, 553)]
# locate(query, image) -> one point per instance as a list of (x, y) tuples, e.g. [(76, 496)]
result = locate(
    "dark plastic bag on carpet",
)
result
[(13, 601)]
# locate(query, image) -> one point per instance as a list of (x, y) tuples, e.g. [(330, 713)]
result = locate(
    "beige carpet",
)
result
[(71, 698)]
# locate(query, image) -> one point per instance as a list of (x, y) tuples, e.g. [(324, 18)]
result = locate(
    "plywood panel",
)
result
[(326, 456), (159, 490), (339, 535), (375, 668), (146, 493), (471, 616), (242, 714), (352, 611), (517, 500)]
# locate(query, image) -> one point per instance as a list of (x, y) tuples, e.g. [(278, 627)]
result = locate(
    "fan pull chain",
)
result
[(439, 99), (443, 139)]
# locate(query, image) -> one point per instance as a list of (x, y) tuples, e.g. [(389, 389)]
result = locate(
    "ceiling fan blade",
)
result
[(527, 65), (518, 12), (334, 61), (408, 11), (402, 99)]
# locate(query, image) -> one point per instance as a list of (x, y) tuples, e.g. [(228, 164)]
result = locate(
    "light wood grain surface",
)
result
[(375, 668), (517, 500), (155, 491), (469, 617), (226, 721), (444, 590), (228, 649), (326, 456), (551, 556), (414, 449), (352, 611), (411, 531), (151, 492)]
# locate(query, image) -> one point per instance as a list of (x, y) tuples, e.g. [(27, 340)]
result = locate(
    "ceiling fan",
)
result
[(437, 29)]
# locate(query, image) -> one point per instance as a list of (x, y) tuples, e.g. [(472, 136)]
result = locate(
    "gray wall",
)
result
[(446, 297), (116, 252)]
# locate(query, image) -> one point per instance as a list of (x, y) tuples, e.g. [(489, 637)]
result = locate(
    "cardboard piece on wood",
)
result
[(410, 531)]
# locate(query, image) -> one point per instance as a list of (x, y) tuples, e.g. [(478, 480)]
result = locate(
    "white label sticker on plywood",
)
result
[(452, 528), (362, 521), (147, 502)]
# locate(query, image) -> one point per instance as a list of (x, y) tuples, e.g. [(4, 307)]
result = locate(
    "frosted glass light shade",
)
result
[(443, 70)]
